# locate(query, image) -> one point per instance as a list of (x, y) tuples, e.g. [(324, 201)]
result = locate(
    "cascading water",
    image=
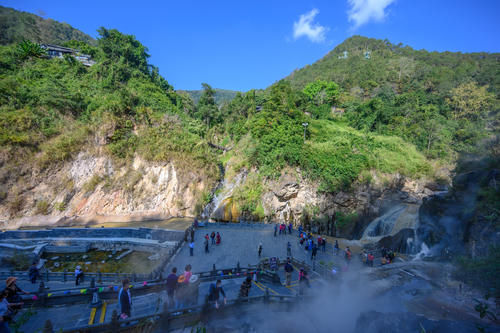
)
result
[(221, 193), (216, 199), (395, 229)]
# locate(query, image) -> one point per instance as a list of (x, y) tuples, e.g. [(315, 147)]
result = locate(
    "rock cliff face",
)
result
[(459, 222), (292, 197), (92, 186)]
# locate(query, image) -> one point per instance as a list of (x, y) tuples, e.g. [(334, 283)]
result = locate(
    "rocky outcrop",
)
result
[(457, 222), (292, 198), (91, 187)]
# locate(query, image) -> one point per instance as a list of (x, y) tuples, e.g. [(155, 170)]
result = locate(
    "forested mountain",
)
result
[(221, 95), (337, 123), (16, 26)]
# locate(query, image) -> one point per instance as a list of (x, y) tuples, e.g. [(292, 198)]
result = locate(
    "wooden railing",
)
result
[(178, 318)]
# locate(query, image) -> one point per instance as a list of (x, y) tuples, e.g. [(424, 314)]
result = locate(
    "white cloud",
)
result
[(364, 11), (306, 26)]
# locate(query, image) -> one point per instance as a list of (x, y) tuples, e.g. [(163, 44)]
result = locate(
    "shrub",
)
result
[(60, 206), (42, 207), (92, 183)]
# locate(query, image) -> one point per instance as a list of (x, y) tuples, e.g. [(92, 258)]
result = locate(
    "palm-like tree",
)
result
[(27, 49)]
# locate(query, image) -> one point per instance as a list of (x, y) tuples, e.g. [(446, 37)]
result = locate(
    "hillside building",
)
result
[(56, 51)]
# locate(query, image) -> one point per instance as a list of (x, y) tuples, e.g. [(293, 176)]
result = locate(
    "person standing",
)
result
[(125, 300), (191, 248), (214, 293), (275, 229), (288, 249), (260, 249), (336, 248), (290, 228), (171, 287), (347, 254), (192, 234), (245, 287), (323, 244), (78, 275), (218, 239), (370, 259), (288, 272), (212, 236), (303, 281), (206, 245), (5, 313), (34, 273), (314, 251)]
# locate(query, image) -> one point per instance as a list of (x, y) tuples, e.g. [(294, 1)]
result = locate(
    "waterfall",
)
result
[(216, 198), (424, 252)]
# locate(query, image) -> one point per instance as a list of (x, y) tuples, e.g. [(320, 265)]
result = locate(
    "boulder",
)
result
[(287, 192), (399, 241)]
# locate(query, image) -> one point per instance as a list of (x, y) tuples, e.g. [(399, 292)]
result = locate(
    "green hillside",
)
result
[(401, 111), (400, 67), (16, 26)]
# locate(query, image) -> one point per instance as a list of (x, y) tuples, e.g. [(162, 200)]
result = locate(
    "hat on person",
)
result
[(193, 279), (10, 280), (181, 279)]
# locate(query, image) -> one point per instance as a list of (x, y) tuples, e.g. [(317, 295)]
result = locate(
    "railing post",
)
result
[(99, 276), (115, 325), (47, 275), (41, 287), (214, 271), (65, 278), (47, 328), (92, 283), (41, 293)]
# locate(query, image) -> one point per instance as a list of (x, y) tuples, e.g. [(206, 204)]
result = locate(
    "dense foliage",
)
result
[(52, 107), (16, 26), (441, 102), (335, 120)]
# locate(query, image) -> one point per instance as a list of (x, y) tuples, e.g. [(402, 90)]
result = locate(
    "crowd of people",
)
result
[(182, 289)]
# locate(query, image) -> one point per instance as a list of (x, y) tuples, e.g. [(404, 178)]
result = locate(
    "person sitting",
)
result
[(245, 287)]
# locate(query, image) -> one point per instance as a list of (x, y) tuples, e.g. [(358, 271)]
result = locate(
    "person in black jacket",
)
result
[(125, 300), (171, 287), (215, 291), (288, 272)]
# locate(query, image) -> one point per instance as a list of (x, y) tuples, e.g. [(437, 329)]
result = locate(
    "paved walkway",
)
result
[(241, 244), (238, 244)]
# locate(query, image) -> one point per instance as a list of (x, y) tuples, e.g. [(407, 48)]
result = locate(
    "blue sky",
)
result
[(243, 45)]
